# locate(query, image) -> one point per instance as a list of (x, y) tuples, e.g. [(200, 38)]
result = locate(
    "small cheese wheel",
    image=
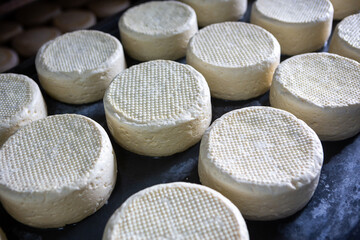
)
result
[(265, 160), (29, 42), (299, 26), (21, 102), (344, 8), (56, 171), (8, 59), (72, 20), (37, 13), (237, 59), (158, 108), (108, 8), (8, 30), (323, 90), (176, 211), (157, 30), (2, 235), (78, 66), (215, 11), (345, 39)]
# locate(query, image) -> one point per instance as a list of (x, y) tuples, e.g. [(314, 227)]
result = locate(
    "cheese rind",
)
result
[(158, 108), (56, 171), (299, 26), (345, 39), (322, 89), (215, 11), (21, 102), (265, 160), (344, 8), (157, 30), (77, 67), (176, 211), (237, 59)]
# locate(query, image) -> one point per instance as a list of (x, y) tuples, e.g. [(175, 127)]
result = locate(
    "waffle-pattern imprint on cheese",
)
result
[(215, 11), (299, 26), (176, 211), (21, 102), (323, 90), (265, 160), (346, 38), (157, 30), (56, 171), (344, 8), (237, 59), (158, 108), (77, 67)]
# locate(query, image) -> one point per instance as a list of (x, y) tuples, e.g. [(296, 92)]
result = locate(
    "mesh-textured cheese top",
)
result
[(155, 91), (264, 145), (234, 44), (80, 51), (326, 80), (176, 211), (52, 153), (294, 11), (349, 30), (15, 94), (158, 18)]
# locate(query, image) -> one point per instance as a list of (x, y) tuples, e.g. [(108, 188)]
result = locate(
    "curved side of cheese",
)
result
[(70, 204), (344, 8), (34, 109), (295, 38), (2, 235), (209, 12)]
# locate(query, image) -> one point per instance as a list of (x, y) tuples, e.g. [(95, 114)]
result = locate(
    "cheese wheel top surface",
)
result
[(79, 51), (324, 79), (177, 211), (158, 18), (264, 145), (15, 94), (156, 91), (294, 11), (234, 44), (349, 30), (52, 153)]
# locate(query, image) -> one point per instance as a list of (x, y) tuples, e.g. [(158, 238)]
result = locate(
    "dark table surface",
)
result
[(332, 213)]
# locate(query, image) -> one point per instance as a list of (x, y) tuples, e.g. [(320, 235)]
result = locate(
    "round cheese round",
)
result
[(56, 171), (176, 211), (37, 13), (237, 59), (344, 8), (107, 8), (8, 59), (21, 102), (2, 235), (265, 160), (345, 39), (158, 108), (78, 67), (215, 11), (299, 26), (323, 90), (8, 30), (157, 30), (72, 20)]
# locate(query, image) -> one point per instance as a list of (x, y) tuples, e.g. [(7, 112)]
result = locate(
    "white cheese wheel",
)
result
[(2, 235), (215, 11), (56, 171), (323, 90), (346, 38), (299, 26), (344, 8), (157, 30), (77, 67), (176, 211), (237, 59), (21, 102), (265, 160), (158, 108)]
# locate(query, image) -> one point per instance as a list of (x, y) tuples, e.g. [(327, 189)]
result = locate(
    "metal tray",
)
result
[(332, 213)]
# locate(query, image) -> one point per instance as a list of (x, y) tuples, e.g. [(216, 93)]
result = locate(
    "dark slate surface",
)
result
[(332, 213)]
